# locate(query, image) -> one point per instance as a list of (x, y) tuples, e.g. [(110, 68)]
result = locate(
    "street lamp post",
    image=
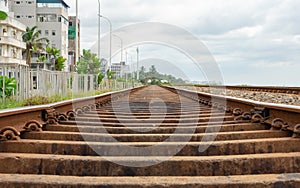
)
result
[(121, 46), (137, 64), (99, 30), (76, 39), (110, 38)]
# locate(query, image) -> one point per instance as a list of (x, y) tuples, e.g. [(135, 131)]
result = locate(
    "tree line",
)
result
[(154, 77)]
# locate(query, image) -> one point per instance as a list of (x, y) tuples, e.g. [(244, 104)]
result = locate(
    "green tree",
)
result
[(143, 75), (42, 59), (143, 69), (60, 63), (56, 58), (32, 40), (88, 63), (110, 74), (152, 69), (10, 85), (100, 78)]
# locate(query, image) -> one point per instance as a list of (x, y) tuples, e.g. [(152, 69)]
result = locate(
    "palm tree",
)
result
[(57, 59), (32, 40), (42, 59)]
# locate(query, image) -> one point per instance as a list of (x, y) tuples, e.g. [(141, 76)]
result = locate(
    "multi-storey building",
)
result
[(72, 42), (50, 16), (120, 69), (11, 44)]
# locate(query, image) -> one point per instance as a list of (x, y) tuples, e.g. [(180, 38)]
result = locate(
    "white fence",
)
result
[(48, 83)]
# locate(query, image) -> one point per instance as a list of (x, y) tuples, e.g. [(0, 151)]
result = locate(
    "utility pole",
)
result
[(76, 38), (99, 30), (137, 64), (110, 39)]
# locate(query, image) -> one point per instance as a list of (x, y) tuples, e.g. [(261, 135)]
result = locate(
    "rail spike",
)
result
[(257, 118), (71, 114), (79, 111), (86, 109), (244, 116), (237, 112), (296, 131), (93, 107), (279, 124), (52, 121), (62, 117), (33, 126), (9, 133)]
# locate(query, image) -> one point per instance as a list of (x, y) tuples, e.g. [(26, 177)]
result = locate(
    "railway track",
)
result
[(270, 89), (151, 137)]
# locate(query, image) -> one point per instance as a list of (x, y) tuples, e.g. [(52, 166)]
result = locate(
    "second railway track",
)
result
[(151, 137)]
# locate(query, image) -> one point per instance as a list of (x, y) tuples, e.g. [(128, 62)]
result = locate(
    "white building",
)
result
[(120, 70), (50, 16), (11, 44)]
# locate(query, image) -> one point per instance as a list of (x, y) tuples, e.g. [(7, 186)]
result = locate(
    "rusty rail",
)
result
[(18, 120), (279, 117), (270, 89), (166, 137)]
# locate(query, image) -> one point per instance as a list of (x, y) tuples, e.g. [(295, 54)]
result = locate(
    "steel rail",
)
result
[(33, 118), (16, 121), (270, 89)]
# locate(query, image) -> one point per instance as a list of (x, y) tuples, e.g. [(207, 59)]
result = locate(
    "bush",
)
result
[(35, 100), (3, 15), (10, 85)]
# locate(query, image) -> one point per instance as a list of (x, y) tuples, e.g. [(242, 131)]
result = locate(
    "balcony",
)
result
[(10, 60), (13, 23), (12, 42)]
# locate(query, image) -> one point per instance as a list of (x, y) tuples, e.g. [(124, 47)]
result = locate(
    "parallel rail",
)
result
[(285, 117), (270, 89), (151, 137), (16, 121)]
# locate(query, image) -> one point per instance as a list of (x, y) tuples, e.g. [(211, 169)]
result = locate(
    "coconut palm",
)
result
[(33, 42), (42, 59), (57, 59)]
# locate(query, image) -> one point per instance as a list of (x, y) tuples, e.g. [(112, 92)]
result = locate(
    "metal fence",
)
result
[(47, 83)]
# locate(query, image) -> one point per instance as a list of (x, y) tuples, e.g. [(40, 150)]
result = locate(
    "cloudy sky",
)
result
[(253, 42)]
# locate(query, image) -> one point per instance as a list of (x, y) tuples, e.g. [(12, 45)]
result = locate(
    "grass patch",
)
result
[(11, 102)]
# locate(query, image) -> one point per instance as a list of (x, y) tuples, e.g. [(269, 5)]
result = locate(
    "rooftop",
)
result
[(54, 1)]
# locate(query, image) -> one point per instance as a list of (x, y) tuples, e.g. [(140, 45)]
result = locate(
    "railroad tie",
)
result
[(154, 137)]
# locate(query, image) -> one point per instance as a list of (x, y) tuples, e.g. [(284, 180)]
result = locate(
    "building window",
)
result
[(63, 20), (70, 24), (30, 16), (14, 33), (53, 32), (4, 32), (18, 2), (46, 32), (18, 16), (41, 19), (47, 17)]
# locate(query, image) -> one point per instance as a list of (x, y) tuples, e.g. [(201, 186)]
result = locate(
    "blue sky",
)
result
[(253, 42)]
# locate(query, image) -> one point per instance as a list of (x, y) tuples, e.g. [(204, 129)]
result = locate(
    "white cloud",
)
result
[(242, 35)]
